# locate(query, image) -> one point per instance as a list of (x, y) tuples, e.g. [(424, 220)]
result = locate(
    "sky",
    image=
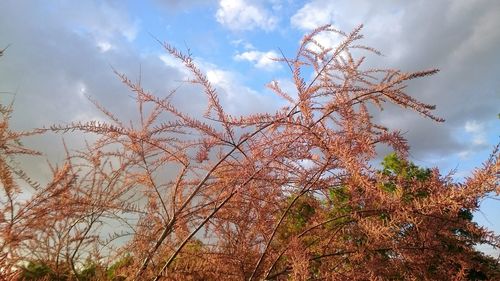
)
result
[(61, 51)]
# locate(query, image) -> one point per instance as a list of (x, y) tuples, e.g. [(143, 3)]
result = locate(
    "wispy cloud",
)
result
[(314, 14), (262, 60), (477, 131), (244, 15)]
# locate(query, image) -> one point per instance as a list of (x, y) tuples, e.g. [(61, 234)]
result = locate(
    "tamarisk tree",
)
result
[(274, 196)]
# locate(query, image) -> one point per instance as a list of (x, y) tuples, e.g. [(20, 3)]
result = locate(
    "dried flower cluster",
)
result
[(284, 196)]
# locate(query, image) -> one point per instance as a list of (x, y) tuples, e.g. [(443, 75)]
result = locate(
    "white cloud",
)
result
[(176, 64), (237, 98), (313, 14), (227, 84), (288, 86), (276, 5), (104, 46), (220, 78), (242, 15), (379, 20), (110, 21), (169, 60), (263, 60), (82, 89), (477, 131), (316, 14), (472, 127), (380, 17), (109, 24), (241, 42)]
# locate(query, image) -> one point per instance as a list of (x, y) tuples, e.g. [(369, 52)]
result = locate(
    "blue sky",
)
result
[(60, 50)]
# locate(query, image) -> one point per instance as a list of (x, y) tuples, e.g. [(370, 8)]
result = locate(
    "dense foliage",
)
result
[(291, 195)]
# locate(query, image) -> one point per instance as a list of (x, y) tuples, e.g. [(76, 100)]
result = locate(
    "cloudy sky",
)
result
[(60, 51)]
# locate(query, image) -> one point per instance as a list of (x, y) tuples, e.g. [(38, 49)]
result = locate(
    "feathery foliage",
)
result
[(275, 196)]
